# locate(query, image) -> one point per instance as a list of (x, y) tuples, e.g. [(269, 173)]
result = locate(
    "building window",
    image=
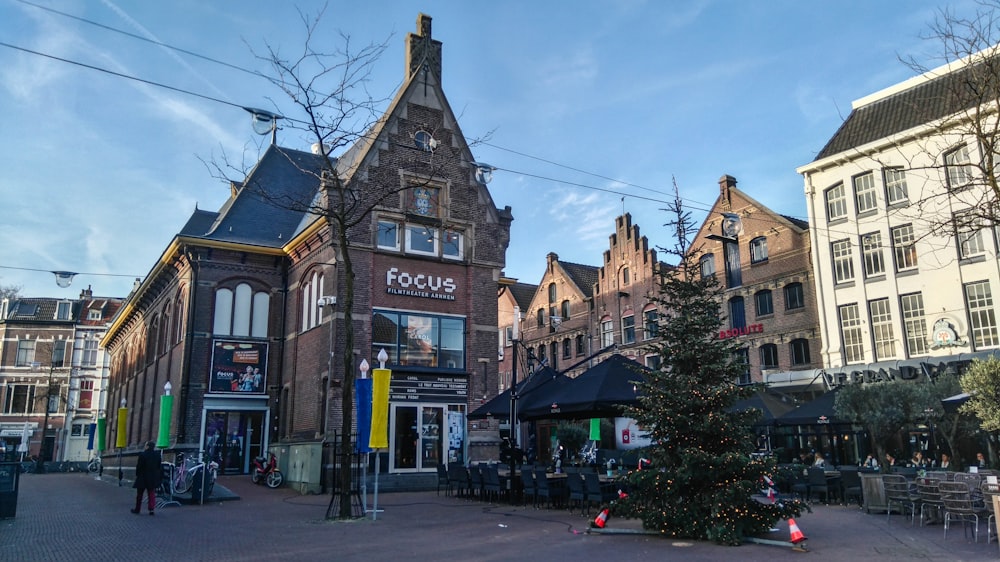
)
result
[(836, 202), (653, 362), (768, 356), (982, 315), (554, 347), (881, 323), (914, 325), (904, 247), (625, 277), (62, 310), (241, 312), (420, 340), (864, 192), (508, 336), (541, 318), (607, 333), (794, 297), (741, 357), (850, 333), (762, 302), (958, 166), (628, 329), (20, 399), (541, 355), (652, 323), (798, 349), (707, 265), (564, 313), (86, 399), (871, 251), (388, 235), (94, 314), (737, 314), (970, 237), (734, 271), (758, 249), (421, 240), (895, 186), (567, 348), (843, 264), (554, 320), (25, 353), (581, 347), (452, 245), (312, 312), (552, 293), (89, 356)]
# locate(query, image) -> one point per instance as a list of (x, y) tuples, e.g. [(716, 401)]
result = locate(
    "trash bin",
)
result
[(197, 484), (10, 477)]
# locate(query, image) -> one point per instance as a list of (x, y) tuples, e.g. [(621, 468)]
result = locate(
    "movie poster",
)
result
[(239, 367)]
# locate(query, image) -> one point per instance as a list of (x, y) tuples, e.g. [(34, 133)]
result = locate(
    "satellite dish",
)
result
[(425, 141), (732, 225)]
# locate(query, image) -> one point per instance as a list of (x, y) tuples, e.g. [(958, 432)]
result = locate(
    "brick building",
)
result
[(245, 312), (763, 260), (49, 358)]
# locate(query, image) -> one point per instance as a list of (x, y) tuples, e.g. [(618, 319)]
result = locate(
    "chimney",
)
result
[(423, 53), (87, 293), (726, 182)]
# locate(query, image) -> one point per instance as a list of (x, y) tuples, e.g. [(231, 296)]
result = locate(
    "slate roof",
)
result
[(41, 309), (268, 216), (585, 276), (941, 96), (804, 225), (523, 293)]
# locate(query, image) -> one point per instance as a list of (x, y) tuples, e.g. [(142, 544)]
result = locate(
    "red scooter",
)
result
[(265, 469)]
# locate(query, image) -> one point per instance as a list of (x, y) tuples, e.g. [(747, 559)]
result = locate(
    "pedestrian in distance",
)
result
[(147, 478)]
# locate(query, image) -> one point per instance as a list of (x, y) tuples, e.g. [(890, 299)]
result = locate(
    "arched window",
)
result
[(541, 317), (311, 292), (552, 293), (564, 313), (707, 265), (179, 318), (241, 312), (758, 249)]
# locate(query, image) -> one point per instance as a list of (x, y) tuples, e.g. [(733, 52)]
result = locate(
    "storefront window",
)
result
[(420, 340)]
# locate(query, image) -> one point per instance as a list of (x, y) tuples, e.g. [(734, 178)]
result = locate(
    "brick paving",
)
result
[(73, 517)]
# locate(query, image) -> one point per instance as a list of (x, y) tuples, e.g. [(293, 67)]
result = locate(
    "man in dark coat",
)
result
[(147, 477)]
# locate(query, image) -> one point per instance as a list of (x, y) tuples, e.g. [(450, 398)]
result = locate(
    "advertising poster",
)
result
[(629, 435), (239, 367)]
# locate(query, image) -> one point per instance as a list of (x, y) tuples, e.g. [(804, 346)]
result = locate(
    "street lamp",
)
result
[(264, 122)]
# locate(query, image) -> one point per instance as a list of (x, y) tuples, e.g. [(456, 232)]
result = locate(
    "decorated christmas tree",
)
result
[(703, 482)]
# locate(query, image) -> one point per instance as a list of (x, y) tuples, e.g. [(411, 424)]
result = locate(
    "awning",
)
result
[(816, 412)]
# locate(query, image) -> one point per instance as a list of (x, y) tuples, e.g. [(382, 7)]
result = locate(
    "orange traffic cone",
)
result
[(602, 518), (797, 535)]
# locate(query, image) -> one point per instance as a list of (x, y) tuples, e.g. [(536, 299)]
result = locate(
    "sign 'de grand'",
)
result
[(408, 284)]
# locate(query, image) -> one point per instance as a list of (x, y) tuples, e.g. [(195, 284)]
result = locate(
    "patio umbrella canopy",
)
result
[(951, 404), (541, 384), (818, 411), (599, 392), (772, 406)]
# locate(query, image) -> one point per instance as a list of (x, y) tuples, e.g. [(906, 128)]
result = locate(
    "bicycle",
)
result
[(184, 473), (95, 466)]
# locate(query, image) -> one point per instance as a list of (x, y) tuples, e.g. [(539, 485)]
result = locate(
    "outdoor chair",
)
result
[(491, 483), (528, 485), (800, 485), (959, 506), (972, 479), (898, 490), (442, 473), (850, 486), (576, 493), (458, 478), (937, 475), (476, 481), (542, 488), (596, 492), (818, 483), (989, 490), (930, 498)]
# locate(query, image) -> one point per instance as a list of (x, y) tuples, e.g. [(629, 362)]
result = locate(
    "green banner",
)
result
[(166, 409), (595, 429), (102, 426)]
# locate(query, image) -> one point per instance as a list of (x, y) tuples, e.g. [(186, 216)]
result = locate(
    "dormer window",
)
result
[(94, 314), (63, 310)]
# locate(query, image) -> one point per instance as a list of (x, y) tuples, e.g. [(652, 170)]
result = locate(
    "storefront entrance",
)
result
[(233, 439), (424, 435)]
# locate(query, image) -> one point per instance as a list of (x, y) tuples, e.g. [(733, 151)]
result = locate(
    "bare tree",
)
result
[(10, 291)]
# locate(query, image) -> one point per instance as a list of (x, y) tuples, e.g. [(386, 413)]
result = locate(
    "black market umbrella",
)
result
[(770, 404), (952, 403), (540, 384), (601, 391), (817, 412)]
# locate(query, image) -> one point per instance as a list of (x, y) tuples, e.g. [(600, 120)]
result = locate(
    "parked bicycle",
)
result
[(185, 473), (94, 466)]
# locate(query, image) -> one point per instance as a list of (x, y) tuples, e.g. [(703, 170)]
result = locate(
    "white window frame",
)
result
[(871, 249), (628, 329), (452, 249), (758, 249), (895, 186), (970, 239), (412, 234), (843, 261), (387, 226), (904, 247), (911, 307), (865, 198), (982, 315), (836, 202), (706, 265), (607, 333), (851, 336), (958, 167), (884, 339)]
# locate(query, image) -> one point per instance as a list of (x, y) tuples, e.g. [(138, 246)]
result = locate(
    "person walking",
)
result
[(147, 478)]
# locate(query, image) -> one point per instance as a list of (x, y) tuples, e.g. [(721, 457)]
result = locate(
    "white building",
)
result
[(896, 286)]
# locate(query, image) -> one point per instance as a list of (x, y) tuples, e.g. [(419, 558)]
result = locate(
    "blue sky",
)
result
[(98, 173)]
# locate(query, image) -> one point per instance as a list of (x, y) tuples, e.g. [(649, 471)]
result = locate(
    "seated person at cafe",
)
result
[(819, 462), (981, 461), (918, 460), (870, 462), (890, 460), (945, 462)]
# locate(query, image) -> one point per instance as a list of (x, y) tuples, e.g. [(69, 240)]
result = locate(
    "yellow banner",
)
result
[(379, 438), (120, 441)]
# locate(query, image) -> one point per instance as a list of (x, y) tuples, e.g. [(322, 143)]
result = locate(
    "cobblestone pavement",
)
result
[(74, 517)]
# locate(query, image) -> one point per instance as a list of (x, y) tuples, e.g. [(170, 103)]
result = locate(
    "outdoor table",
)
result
[(873, 492)]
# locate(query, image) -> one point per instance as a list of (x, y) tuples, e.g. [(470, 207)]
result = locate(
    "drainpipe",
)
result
[(188, 343)]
